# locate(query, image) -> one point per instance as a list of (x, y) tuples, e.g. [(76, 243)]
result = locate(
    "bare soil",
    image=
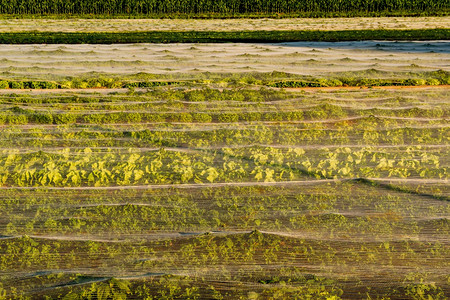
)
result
[(124, 25)]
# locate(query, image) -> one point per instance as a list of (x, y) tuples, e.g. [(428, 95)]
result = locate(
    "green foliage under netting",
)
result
[(200, 192), (256, 36), (366, 78), (207, 251), (145, 7)]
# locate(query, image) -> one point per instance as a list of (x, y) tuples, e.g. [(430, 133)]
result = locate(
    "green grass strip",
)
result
[(219, 37)]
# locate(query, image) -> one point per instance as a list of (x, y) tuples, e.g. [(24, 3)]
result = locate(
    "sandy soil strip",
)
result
[(121, 25)]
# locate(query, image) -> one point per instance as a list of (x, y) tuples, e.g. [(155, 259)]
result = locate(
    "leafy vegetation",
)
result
[(364, 78), (224, 186), (219, 36), (176, 190), (221, 254)]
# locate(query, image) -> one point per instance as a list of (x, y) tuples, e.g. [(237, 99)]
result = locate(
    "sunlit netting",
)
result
[(227, 188)]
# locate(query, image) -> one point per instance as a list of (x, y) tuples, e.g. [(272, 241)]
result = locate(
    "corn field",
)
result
[(139, 7)]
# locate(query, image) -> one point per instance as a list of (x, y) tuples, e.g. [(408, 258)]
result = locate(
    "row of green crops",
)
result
[(309, 209), (18, 116), (230, 135), (357, 82), (207, 105), (276, 36), (274, 267), (82, 84), (88, 168), (135, 7), (274, 79)]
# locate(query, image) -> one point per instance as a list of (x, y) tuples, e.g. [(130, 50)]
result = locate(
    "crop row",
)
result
[(92, 83), (133, 7), (359, 82), (88, 168), (315, 215), (220, 36), (241, 97), (19, 116), (213, 250), (172, 287), (432, 78), (313, 196), (193, 94), (318, 136), (202, 257), (127, 220)]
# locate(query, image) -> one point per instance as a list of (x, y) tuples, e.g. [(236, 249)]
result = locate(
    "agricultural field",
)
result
[(223, 8), (298, 64), (274, 158), (234, 171)]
